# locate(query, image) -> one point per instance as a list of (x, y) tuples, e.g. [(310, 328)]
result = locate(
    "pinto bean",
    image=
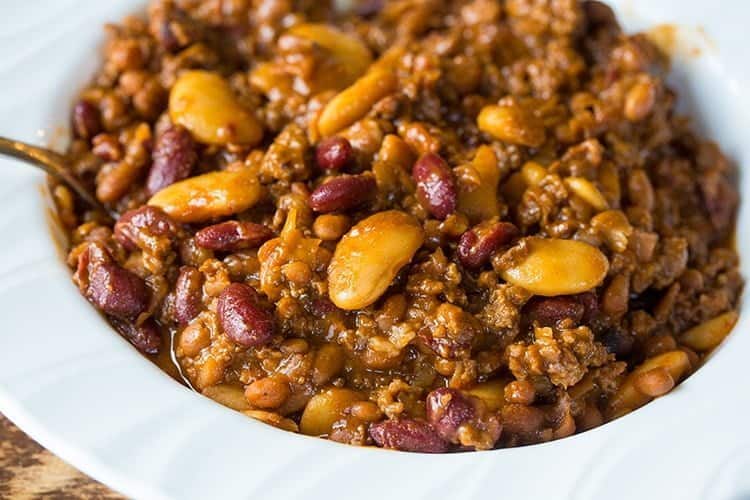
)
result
[(146, 220), (447, 410), (269, 392), (145, 337), (242, 319)]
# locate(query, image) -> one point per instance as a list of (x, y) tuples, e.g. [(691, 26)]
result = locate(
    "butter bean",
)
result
[(208, 196), (558, 267), (512, 124), (587, 191), (628, 397), (325, 408), (369, 256), (614, 226), (355, 102), (349, 57), (481, 203), (709, 334), (204, 103)]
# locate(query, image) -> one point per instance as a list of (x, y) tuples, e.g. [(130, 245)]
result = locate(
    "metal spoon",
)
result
[(54, 164)]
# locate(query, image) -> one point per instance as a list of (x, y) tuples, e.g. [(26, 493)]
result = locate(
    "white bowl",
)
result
[(83, 392)]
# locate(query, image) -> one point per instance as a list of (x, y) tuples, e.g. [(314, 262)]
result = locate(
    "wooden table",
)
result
[(28, 471)]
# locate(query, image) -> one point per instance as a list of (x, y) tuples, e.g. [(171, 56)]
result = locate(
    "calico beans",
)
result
[(429, 226)]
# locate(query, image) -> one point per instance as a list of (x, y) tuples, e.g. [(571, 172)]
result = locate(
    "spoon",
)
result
[(54, 164)]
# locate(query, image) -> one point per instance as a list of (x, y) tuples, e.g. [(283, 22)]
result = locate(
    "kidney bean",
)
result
[(590, 303), (145, 337), (174, 157), (321, 307), (366, 8), (477, 245), (599, 14), (619, 343), (522, 422), (242, 319), (188, 292), (231, 236), (334, 153), (112, 289), (447, 409), (117, 291), (408, 435), (145, 219), (436, 189), (548, 311), (86, 120), (342, 193)]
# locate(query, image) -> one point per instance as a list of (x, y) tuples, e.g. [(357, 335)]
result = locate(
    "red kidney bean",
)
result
[(242, 319), (174, 157), (619, 343), (448, 346), (112, 289), (447, 409), (132, 225), (321, 307), (188, 295), (408, 435), (436, 189), (334, 153), (145, 337), (166, 36), (599, 14), (477, 245), (590, 303), (231, 236), (366, 8), (342, 193), (86, 120), (548, 311)]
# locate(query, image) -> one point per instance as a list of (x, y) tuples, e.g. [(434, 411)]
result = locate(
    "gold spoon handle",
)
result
[(54, 165)]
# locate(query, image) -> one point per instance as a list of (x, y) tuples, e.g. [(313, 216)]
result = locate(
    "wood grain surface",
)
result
[(28, 471)]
